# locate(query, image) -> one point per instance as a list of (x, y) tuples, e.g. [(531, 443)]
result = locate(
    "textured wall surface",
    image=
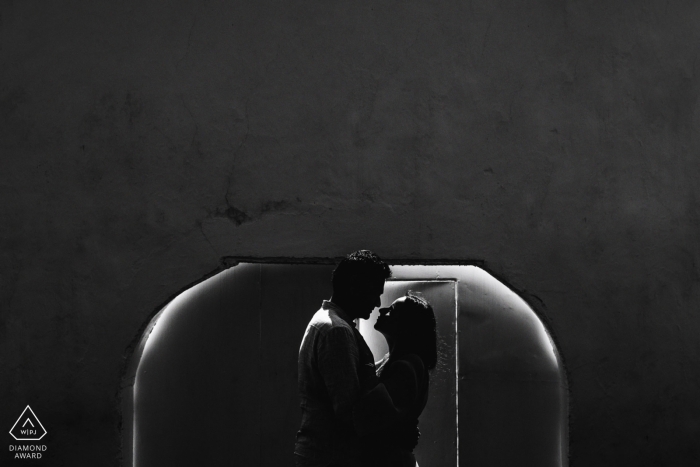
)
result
[(557, 141)]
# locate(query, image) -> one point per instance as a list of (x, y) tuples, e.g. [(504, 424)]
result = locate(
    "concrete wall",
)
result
[(142, 141)]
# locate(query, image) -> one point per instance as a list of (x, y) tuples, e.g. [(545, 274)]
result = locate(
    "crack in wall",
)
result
[(236, 215), (200, 225), (189, 42)]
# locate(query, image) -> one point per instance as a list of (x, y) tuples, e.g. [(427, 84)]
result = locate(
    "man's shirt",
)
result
[(335, 368)]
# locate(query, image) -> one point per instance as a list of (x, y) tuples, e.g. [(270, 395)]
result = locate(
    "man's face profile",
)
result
[(367, 296)]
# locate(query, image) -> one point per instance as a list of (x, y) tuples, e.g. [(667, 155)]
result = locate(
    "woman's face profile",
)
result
[(387, 322)]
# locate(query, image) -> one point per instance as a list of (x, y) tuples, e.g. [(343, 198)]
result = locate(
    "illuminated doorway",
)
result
[(214, 379)]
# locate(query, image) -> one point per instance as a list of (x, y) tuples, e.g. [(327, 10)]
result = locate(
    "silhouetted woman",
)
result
[(389, 411)]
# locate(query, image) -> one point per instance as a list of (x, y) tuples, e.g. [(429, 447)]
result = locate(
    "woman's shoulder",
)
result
[(408, 363), (414, 360), (406, 381)]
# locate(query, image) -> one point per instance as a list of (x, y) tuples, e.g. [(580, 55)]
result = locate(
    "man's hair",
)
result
[(361, 266)]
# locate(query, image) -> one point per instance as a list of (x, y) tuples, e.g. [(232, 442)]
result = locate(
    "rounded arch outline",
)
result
[(402, 269)]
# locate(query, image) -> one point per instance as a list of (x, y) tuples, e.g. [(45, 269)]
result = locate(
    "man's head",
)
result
[(358, 283)]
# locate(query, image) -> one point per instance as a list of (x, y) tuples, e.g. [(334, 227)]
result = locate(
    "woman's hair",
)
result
[(419, 331)]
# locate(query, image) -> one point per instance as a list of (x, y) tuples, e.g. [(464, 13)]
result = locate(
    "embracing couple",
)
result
[(356, 412)]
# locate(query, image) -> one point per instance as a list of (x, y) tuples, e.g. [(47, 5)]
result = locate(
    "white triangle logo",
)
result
[(28, 427)]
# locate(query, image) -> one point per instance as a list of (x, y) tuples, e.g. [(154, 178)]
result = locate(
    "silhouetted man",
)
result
[(335, 364)]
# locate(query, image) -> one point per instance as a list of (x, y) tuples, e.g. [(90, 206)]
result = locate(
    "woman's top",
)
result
[(407, 381), (387, 415)]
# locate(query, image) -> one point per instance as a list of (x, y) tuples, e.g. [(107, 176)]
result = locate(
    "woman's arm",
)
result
[(390, 401), (403, 380)]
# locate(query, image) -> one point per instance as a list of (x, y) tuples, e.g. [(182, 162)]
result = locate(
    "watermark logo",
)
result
[(28, 427)]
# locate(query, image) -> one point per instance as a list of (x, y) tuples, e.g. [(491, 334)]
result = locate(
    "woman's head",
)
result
[(409, 325)]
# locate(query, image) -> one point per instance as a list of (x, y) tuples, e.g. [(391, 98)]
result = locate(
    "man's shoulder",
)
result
[(327, 319)]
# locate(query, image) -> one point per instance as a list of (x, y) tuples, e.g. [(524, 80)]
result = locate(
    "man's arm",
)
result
[(337, 359)]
